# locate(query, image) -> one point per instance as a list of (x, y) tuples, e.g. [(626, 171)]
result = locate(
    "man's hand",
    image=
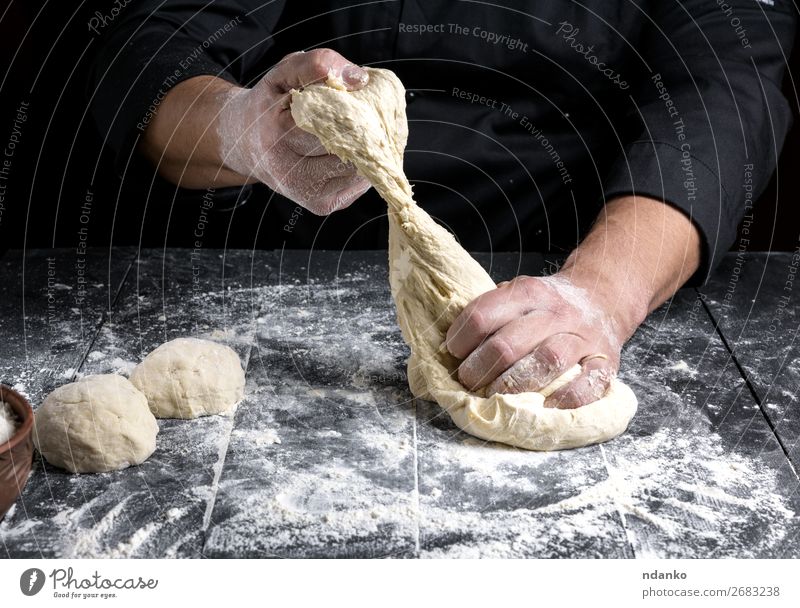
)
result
[(527, 332), (208, 132), (524, 334), (260, 139)]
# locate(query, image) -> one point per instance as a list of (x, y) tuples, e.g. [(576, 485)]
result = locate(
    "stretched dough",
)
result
[(433, 278)]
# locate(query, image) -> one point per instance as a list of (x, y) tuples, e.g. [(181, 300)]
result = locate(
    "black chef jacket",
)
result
[(524, 117)]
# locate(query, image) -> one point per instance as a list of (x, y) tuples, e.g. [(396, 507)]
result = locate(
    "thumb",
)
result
[(299, 69)]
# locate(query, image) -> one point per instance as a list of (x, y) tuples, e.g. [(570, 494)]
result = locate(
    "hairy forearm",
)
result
[(182, 140), (637, 255)]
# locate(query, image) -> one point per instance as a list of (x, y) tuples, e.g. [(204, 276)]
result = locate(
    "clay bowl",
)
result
[(16, 455)]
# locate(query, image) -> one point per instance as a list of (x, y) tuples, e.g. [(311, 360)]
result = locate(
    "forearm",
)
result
[(637, 255), (183, 138)]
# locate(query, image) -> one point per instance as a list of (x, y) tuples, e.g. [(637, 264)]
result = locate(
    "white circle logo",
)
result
[(31, 581)]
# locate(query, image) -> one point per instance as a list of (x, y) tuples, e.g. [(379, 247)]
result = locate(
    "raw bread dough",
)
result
[(188, 378), (432, 277), (97, 424)]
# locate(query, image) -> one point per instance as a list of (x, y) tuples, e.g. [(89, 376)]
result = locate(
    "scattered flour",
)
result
[(729, 504), (122, 366), (320, 512), (176, 513), (682, 366), (472, 498), (8, 422), (137, 539), (88, 542), (258, 438)]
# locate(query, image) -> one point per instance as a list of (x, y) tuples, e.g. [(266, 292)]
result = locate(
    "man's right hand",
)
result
[(208, 132)]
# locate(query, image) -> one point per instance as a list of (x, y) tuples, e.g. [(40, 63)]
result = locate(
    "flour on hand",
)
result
[(433, 278)]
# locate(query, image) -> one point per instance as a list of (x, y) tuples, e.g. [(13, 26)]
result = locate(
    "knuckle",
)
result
[(465, 376), (526, 285), (550, 358), (475, 323), (290, 56), (518, 378), (501, 352), (529, 371), (321, 60)]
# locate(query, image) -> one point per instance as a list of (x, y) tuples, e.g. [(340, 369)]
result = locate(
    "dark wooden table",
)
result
[(329, 456)]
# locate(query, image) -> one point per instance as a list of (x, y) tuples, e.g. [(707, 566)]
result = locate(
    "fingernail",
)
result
[(355, 76)]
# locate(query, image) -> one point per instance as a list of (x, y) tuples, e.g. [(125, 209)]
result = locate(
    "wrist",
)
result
[(235, 129), (182, 140), (636, 256), (621, 296)]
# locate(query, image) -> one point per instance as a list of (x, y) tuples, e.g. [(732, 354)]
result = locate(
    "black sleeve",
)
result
[(710, 119), (152, 45)]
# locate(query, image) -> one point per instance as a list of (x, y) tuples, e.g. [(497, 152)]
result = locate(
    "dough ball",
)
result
[(188, 378), (97, 424)]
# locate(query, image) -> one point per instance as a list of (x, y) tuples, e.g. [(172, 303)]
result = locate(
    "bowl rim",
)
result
[(21, 406)]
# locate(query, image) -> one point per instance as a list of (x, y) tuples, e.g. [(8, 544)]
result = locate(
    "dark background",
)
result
[(58, 163)]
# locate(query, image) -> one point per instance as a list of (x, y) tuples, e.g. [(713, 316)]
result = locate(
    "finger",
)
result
[(317, 172), (347, 196), (309, 174), (506, 346), (293, 137), (592, 383), (338, 193), (550, 359), (486, 314), (300, 69), (303, 143)]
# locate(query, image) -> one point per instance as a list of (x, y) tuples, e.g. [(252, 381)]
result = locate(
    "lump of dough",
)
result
[(188, 378), (97, 424)]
